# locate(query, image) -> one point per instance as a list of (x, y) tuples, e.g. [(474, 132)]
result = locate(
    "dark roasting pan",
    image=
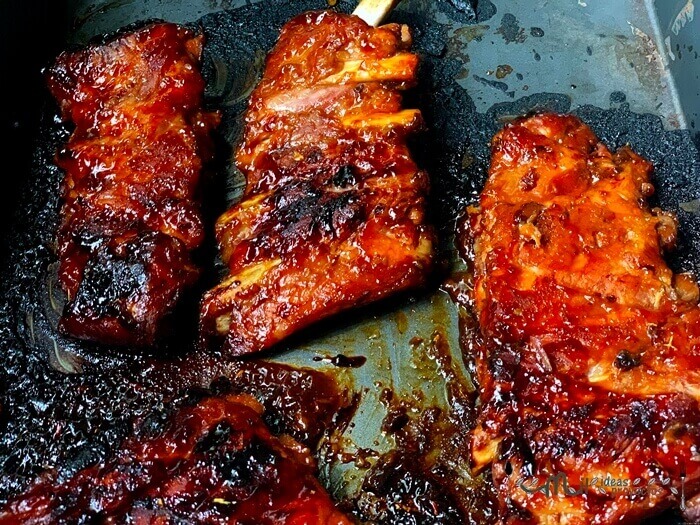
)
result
[(629, 68)]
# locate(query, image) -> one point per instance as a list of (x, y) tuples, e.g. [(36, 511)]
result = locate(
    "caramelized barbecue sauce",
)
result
[(586, 350), (213, 462), (300, 403), (332, 216), (130, 216)]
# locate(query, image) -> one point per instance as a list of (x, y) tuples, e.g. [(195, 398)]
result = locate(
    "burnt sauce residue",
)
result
[(423, 479), (305, 404), (343, 361)]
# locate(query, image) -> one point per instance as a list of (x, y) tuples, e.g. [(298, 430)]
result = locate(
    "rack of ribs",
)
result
[(214, 462), (588, 353), (132, 164), (332, 216)]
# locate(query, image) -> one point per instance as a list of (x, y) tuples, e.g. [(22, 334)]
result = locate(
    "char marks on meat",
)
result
[(215, 462), (130, 217), (333, 212), (588, 357)]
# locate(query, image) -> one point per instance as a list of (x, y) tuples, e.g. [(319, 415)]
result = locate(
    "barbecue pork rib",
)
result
[(333, 212), (215, 462), (129, 215), (588, 356)]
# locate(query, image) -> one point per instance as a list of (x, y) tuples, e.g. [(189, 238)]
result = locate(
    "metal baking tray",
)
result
[(629, 68)]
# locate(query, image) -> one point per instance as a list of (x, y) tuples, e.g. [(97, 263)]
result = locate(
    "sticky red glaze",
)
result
[(215, 463), (589, 354), (333, 212), (132, 165)]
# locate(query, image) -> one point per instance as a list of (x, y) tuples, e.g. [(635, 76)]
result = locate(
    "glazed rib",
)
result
[(215, 462), (333, 212), (129, 214), (588, 357)]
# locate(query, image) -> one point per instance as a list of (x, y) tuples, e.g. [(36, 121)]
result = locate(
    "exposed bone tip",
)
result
[(374, 11)]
